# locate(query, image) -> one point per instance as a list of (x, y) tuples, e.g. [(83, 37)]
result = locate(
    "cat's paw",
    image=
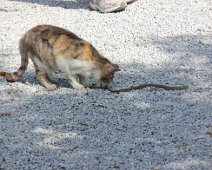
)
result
[(51, 87), (78, 86)]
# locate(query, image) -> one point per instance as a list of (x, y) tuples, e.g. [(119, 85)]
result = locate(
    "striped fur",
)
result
[(55, 49)]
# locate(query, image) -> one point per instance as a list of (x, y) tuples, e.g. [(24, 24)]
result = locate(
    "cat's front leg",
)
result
[(42, 77), (75, 84), (82, 80)]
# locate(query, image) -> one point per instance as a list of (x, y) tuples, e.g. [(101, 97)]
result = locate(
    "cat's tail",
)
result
[(11, 77)]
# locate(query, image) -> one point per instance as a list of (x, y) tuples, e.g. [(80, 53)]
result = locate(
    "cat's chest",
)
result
[(76, 66)]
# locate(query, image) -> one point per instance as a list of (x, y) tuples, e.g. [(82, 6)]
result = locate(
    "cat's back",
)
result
[(49, 41), (46, 32)]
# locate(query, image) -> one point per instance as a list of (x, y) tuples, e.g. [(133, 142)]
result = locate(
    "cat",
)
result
[(52, 49)]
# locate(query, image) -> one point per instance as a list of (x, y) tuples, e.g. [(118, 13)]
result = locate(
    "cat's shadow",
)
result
[(30, 79), (61, 81), (67, 4)]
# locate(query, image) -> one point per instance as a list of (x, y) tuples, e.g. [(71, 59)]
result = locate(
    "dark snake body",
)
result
[(139, 87)]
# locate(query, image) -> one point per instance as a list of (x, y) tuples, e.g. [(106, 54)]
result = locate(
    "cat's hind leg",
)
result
[(42, 74), (51, 79), (42, 78)]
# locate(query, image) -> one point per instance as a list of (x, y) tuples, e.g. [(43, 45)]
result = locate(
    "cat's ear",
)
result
[(112, 68)]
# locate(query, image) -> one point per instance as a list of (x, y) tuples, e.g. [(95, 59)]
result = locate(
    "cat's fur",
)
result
[(55, 49)]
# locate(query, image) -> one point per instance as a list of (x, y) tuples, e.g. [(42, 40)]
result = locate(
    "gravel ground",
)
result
[(162, 41)]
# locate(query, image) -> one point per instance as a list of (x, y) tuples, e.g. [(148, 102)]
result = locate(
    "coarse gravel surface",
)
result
[(153, 41)]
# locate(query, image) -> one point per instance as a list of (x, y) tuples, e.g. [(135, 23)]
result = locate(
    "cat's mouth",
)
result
[(103, 85)]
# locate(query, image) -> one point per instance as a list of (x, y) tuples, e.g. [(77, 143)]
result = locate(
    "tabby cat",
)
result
[(55, 49)]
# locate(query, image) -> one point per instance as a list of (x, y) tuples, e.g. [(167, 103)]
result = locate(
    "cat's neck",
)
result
[(98, 59)]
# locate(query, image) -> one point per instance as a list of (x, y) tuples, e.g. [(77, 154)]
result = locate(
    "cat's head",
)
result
[(107, 74)]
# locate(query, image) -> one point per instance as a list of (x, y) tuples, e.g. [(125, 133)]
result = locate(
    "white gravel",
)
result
[(159, 41)]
